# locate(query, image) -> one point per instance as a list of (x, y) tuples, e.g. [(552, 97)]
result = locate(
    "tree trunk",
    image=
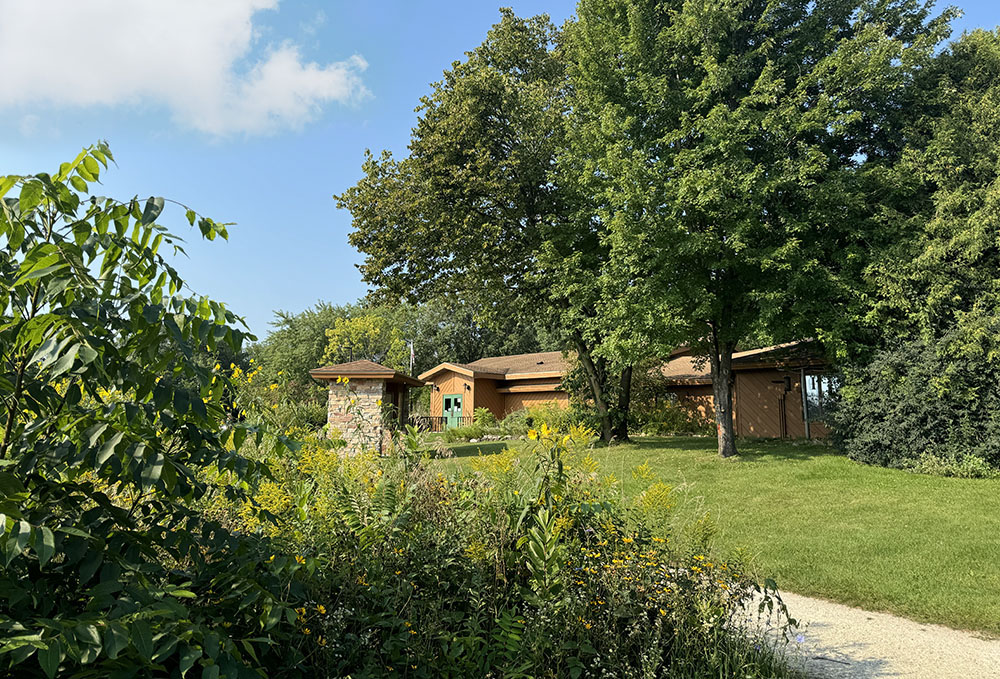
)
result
[(721, 360), (624, 400), (596, 389)]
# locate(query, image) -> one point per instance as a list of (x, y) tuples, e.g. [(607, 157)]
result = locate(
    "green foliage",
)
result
[(296, 346), (484, 417), (924, 395), (939, 282), (518, 423), (918, 406), (669, 416), (113, 429), (529, 565), (369, 337), (732, 149), (440, 330), (464, 433), (476, 210)]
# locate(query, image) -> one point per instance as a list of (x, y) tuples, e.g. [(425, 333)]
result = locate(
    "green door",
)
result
[(452, 410)]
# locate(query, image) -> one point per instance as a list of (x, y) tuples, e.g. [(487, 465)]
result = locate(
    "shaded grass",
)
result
[(925, 547)]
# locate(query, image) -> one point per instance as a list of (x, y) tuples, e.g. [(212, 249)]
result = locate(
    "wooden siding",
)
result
[(764, 409), (758, 404), (486, 396), (452, 383), (520, 401)]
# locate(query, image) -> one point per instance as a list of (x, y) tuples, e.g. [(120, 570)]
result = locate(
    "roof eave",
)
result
[(443, 367), (533, 376)]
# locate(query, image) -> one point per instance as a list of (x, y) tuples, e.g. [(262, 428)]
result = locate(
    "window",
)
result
[(818, 391)]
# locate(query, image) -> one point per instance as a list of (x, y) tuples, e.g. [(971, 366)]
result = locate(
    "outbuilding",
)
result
[(367, 401), (778, 392), (501, 384)]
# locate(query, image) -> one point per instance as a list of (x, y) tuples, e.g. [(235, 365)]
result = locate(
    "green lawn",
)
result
[(920, 546)]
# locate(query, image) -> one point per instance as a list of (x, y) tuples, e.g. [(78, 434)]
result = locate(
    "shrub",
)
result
[(466, 433), (920, 401), (109, 566), (669, 416), (964, 467), (527, 565), (484, 417), (518, 423)]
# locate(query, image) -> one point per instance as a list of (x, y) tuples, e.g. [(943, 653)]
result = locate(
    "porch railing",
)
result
[(438, 424)]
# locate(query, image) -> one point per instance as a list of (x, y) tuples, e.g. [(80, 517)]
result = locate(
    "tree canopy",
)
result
[(733, 147), (479, 211)]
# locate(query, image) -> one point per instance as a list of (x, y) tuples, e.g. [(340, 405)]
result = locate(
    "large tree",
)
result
[(477, 210), (113, 433), (928, 386), (734, 146)]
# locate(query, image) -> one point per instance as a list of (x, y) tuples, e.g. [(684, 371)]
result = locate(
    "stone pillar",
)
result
[(354, 412)]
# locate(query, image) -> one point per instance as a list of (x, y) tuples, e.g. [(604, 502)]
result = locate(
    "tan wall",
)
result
[(759, 405), (698, 399), (452, 383), (513, 402), (486, 396)]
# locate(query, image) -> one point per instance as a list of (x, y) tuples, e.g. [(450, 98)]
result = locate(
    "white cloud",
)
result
[(200, 58)]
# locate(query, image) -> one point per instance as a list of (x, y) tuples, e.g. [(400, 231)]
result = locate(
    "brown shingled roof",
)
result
[(687, 369), (541, 362), (363, 369), (518, 366)]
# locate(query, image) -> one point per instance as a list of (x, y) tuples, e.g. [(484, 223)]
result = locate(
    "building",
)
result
[(501, 384), (778, 391), (366, 409)]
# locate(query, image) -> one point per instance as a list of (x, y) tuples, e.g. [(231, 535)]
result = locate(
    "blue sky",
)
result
[(250, 111)]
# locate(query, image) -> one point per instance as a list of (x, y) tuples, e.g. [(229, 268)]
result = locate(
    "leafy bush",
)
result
[(527, 565), (919, 403), (669, 416), (518, 423), (113, 432), (484, 417), (964, 467), (466, 433)]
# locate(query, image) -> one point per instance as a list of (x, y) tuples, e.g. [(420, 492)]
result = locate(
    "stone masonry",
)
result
[(354, 412)]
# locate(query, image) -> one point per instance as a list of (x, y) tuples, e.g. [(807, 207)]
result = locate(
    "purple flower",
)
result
[(800, 638)]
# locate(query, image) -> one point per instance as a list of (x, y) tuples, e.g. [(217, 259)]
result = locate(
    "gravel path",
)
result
[(840, 642)]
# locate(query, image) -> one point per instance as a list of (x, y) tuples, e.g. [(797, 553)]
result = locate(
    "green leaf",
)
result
[(115, 640), (10, 485), (152, 470), (91, 166), (79, 184), (50, 657), (188, 656), (7, 183), (154, 206), (108, 449), (45, 544), (32, 192), (210, 672), (65, 362), (182, 401), (17, 541), (142, 639)]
